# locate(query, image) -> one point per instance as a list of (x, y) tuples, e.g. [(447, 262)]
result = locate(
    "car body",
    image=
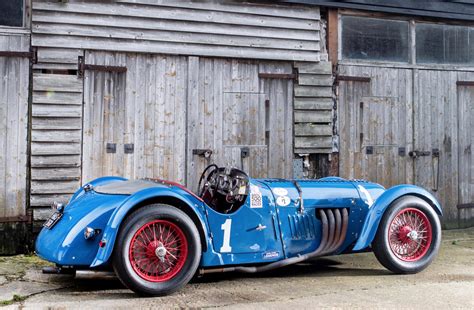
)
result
[(276, 222)]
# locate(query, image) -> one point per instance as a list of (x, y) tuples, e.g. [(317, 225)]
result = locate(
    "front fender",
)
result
[(113, 225), (375, 213)]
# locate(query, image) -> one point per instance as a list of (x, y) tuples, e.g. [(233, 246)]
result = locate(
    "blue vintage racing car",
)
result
[(157, 234)]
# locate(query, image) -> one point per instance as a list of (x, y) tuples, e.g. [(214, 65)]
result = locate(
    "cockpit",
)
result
[(224, 189)]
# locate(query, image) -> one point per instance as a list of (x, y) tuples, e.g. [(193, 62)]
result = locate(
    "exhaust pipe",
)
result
[(333, 235)]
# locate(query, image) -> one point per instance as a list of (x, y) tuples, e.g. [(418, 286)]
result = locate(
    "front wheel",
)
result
[(157, 250), (408, 237)]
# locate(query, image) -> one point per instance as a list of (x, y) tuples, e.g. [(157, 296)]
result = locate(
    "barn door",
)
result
[(375, 124), (14, 81), (239, 118), (134, 116), (106, 147), (465, 92)]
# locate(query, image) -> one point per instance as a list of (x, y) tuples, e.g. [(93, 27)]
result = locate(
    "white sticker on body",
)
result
[(283, 201), (256, 200), (279, 191)]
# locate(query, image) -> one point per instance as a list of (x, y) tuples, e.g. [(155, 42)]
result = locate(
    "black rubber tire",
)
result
[(381, 246), (130, 226)]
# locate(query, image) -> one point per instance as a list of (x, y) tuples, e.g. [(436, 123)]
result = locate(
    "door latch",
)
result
[(244, 152), (111, 148), (128, 148), (416, 154), (206, 153)]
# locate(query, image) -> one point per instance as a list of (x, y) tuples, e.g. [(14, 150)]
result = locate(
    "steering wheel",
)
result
[(201, 186)]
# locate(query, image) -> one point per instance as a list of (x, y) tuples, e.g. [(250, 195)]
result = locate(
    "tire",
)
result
[(396, 246), (157, 250)]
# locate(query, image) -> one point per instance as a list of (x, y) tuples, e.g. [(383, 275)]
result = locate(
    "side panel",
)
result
[(301, 231), (377, 210), (250, 235)]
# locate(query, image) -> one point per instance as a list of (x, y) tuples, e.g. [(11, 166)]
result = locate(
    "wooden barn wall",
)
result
[(55, 139), (313, 116), (62, 31), (398, 110), (210, 28), (14, 83)]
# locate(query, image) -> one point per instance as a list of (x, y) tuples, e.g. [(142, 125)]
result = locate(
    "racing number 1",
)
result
[(225, 248)]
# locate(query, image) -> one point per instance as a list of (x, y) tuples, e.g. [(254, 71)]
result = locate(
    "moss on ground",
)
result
[(15, 267), (16, 298)]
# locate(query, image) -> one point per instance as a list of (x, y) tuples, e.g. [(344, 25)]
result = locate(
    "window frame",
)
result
[(26, 23), (409, 39), (413, 21)]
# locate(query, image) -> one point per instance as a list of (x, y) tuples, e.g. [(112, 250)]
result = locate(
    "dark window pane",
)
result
[(11, 13), (444, 44), (374, 39)]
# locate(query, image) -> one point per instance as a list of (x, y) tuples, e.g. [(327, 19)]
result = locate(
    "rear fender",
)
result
[(377, 210), (96, 182), (140, 199)]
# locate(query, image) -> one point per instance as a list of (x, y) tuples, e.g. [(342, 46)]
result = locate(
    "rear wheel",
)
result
[(408, 237), (157, 250)]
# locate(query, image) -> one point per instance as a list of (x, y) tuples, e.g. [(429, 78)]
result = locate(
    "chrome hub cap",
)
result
[(160, 252)]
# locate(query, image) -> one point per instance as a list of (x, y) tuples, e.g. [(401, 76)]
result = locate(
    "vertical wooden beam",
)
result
[(333, 37)]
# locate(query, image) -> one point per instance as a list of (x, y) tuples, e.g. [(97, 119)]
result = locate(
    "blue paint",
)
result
[(258, 234)]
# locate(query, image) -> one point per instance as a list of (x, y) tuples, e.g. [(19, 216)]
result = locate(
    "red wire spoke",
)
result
[(409, 234), (143, 253)]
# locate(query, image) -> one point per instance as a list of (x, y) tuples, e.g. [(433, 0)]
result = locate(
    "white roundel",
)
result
[(283, 201), (279, 191)]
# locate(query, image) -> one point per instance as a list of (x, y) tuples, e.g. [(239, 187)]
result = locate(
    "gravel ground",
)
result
[(346, 281)]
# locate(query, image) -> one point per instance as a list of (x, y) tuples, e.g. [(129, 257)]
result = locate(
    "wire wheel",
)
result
[(158, 251), (410, 235)]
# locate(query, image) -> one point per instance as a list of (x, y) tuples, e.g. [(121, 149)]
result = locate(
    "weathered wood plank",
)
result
[(57, 82), (57, 55), (108, 44), (42, 214), (315, 79), (312, 103), (167, 36), (313, 142), (313, 91), (56, 123), (42, 148), (237, 7), (56, 136), (309, 129), (53, 97), (308, 150), (170, 25), (60, 161), (41, 110), (56, 174), (54, 187), (313, 116), (46, 200), (323, 67)]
